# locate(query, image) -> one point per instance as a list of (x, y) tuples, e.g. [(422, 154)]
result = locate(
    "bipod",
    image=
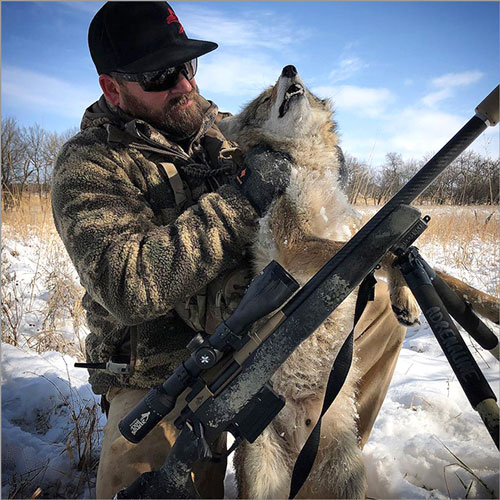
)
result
[(438, 303)]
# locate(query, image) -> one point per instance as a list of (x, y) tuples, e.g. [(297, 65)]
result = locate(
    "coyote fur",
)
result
[(303, 229)]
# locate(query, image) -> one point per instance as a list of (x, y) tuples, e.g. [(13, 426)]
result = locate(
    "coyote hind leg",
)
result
[(261, 468)]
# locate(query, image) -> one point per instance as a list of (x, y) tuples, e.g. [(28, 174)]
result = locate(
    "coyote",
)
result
[(302, 230)]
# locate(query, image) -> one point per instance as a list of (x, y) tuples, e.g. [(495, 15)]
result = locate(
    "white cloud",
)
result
[(434, 97), (457, 79), (347, 67), (446, 84), (413, 131), (236, 76), (364, 100), (251, 31), (27, 88)]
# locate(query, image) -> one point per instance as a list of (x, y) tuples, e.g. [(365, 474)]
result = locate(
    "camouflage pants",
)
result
[(378, 341)]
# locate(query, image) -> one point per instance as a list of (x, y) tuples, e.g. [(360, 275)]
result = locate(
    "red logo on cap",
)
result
[(172, 18)]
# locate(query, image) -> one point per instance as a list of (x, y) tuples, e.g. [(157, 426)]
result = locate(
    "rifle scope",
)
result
[(268, 290)]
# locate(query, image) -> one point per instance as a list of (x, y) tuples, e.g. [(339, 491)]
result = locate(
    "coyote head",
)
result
[(285, 111)]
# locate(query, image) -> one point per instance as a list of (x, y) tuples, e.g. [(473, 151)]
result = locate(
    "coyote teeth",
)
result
[(294, 90)]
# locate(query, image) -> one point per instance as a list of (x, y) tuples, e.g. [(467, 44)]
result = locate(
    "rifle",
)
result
[(224, 384)]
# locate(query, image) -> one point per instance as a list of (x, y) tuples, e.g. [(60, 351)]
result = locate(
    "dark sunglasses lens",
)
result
[(167, 79), (161, 81)]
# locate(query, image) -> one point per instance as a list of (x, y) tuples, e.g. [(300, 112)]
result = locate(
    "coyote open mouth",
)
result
[(294, 90)]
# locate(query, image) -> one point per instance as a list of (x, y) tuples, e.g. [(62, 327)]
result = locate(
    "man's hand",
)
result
[(264, 176)]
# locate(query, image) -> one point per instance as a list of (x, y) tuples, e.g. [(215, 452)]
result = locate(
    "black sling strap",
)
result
[(338, 375)]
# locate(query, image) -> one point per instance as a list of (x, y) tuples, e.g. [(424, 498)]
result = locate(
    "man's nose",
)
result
[(183, 86)]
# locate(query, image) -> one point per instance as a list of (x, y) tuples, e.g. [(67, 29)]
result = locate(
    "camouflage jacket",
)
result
[(136, 249)]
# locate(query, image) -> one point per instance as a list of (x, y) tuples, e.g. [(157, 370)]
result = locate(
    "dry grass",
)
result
[(40, 325), (472, 477), (465, 223), (32, 214), (463, 238)]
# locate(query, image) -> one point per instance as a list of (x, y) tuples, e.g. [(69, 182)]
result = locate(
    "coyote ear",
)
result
[(230, 127), (327, 103)]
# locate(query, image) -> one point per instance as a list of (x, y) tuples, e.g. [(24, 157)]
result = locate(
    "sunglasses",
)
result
[(164, 79)]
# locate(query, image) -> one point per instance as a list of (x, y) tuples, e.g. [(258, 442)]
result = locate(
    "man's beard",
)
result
[(180, 123)]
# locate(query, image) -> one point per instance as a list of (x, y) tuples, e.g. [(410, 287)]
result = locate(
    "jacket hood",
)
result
[(100, 113)]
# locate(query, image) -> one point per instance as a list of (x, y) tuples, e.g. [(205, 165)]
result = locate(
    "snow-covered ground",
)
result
[(426, 443)]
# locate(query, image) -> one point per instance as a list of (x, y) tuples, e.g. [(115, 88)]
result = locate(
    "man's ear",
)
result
[(230, 127), (110, 89)]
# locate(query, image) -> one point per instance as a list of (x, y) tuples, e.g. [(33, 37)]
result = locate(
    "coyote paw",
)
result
[(405, 306)]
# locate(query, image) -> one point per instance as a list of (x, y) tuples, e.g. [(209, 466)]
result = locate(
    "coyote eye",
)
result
[(266, 99)]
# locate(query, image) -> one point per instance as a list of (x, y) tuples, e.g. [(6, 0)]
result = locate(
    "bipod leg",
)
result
[(468, 373), (462, 312)]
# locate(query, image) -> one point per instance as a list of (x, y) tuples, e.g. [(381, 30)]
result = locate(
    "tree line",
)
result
[(29, 154), (28, 157), (471, 179)]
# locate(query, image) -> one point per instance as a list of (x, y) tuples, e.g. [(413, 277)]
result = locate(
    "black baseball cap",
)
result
[(136, 37)]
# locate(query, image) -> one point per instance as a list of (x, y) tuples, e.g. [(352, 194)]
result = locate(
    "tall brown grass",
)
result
[(465, 238), (32, 214), (32, 220)]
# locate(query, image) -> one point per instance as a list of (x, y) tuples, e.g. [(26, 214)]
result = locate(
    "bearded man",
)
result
[(145, 202)]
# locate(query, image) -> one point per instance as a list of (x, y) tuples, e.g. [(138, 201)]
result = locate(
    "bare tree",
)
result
[(11, 156), (28, 157), (52, 145), (389, 178), (16, 166), (35, 137), (357, 175)]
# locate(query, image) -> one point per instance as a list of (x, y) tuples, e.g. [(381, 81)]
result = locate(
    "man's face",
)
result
[(177, 111)]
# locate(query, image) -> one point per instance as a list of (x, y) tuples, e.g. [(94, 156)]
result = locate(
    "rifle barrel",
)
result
[(486, 114)]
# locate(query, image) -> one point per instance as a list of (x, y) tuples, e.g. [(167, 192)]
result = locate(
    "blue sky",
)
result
[(403, 76)]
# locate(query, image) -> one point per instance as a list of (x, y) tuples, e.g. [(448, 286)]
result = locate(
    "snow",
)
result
[(425, 419), (47, 407), (427, 442)]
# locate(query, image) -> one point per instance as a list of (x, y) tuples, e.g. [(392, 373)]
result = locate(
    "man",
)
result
[(145, 201)]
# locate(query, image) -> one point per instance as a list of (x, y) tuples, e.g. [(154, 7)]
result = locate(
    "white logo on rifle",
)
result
[(139, 422), (205, 359)]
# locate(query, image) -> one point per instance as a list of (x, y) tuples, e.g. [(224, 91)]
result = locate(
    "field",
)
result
[(427, 441)]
